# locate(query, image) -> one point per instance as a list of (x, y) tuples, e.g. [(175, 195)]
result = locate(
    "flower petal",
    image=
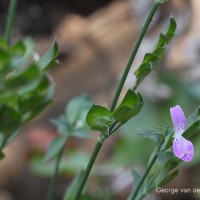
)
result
[(178, 119), (183, 149)]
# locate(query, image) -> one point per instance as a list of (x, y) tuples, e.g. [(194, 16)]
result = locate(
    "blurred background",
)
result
[(96, 38)]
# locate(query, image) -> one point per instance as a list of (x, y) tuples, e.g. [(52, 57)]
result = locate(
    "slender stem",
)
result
[(88, 169), (134, 195), (116, 97), (134, 52), (115, 128), (144, 177), (10, 20), (55, 175)]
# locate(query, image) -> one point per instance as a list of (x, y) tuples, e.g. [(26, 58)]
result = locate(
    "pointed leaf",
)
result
[(193, 117), (77, 109), (10, 120), (49, 56), (62, 125), (136, 178), (192, 130), (152, 134), (19, 48), (72, 189), (168, 141), (168, 178), (164, 157), (171, 29), (55, 146), (82, 133), (151, 60)]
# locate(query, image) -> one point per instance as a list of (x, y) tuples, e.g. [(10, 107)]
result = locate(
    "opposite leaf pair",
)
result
[(102, 119)]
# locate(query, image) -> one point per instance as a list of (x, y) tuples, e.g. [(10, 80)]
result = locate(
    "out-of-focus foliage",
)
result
[(24, 85), (72, 123), (71, 162), (151, 60)]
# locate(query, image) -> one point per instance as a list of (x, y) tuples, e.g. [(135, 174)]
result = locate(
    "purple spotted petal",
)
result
[(178, 119), (183, 148)]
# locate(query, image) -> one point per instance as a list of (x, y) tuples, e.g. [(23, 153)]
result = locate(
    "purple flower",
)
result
[(182, 148)]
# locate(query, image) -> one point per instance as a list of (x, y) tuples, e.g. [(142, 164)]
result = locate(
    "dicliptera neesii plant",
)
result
[(26, 91)]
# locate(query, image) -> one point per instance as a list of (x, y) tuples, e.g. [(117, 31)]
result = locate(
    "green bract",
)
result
[(130, 106), (152, 59), (24, 86), (101, 119)]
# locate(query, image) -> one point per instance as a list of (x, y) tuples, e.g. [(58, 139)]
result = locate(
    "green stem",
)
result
[(88, 169), (116, 97), (134, 52), (144, 177), (10, 20), (115, 129), (55, 175), (134, 195)]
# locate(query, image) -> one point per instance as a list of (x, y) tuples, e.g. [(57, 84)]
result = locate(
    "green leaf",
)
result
[(30, 48), (168, 141), (12, 137), (77, 109), (192, 130), (99, 118), (37, 101), (55, 146), (52, 64), (161, 42), (136, 178), (171, 29), (4, 59), (3, 44), (72, 189), (49, 56), (193, 117), (167, 130), (2, 139), (164, 157), (19, 48), (73, 123), (152, 134), (82, 133), (168, 178), (25, 89), (70, 163), (130, 106), (172, 164), (151, 60), (22, 78), (62, 125), (10, 120)]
